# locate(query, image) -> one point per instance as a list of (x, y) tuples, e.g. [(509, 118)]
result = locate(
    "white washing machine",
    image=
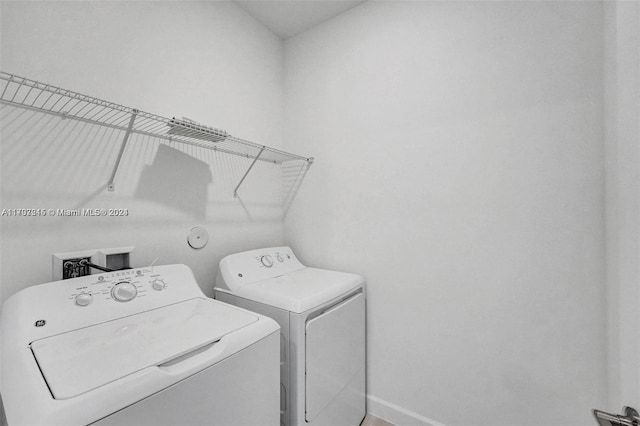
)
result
[(321, 315), (136, 347)]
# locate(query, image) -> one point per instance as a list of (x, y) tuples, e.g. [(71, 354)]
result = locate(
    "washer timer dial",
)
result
[(267, 261), (124, 291)]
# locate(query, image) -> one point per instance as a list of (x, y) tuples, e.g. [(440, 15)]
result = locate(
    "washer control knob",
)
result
[(267, 261), (280, 258), (158, 284), (124, 291), (83, 299)]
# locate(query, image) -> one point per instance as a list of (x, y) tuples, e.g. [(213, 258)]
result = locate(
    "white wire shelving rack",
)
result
[(34, 95)]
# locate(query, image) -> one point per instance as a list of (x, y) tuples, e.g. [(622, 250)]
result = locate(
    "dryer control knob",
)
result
[(158, 284), (124, 291), (83, 299), (267, 261)]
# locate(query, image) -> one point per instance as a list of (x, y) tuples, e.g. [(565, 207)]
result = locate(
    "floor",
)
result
[(371, 420)]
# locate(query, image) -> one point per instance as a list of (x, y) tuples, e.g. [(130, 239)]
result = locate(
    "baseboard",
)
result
[(397, 415)]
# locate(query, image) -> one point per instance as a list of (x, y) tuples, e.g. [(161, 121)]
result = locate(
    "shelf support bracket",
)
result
[(125, 139), (235, 191)]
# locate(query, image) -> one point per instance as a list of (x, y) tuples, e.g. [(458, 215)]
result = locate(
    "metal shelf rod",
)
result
[(125, 139), (235, 191)]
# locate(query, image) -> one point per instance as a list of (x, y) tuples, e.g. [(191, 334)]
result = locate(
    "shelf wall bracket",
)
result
[(125, 139), (235, 191)]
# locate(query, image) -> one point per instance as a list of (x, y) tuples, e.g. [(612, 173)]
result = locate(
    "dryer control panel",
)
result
[(247, 267)]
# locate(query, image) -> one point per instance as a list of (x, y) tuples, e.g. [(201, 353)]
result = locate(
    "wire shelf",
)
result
[(34, 95)]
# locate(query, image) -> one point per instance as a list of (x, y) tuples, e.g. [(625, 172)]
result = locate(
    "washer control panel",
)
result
[(56, 307), (120, 286)]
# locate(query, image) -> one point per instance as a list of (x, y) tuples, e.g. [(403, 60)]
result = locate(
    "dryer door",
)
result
[(335, 360)]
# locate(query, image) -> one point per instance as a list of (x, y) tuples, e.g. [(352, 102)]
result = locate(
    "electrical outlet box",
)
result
[(115, 258)]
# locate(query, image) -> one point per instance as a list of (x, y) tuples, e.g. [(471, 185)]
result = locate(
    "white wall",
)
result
[(459, 153), (622, 120), (208, 61), (459, 168)]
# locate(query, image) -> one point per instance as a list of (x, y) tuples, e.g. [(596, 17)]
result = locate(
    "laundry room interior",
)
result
[(476, 162)]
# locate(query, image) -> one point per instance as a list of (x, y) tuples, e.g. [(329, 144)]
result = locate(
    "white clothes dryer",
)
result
[(321, 315), (136, 347)]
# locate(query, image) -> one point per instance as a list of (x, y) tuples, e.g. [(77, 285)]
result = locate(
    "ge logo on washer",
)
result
[(40, 323)]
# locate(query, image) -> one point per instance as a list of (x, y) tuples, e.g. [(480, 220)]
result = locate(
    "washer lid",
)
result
[(301, 290), (78, 361)]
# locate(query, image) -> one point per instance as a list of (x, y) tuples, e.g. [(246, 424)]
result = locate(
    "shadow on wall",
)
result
[(176, 180)]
